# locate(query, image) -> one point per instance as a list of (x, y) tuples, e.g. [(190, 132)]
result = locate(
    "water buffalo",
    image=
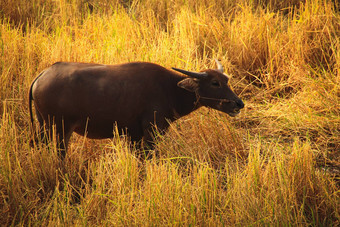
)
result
[(92, 99)]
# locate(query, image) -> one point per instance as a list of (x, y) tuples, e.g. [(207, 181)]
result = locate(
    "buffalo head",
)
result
[(212, 89)]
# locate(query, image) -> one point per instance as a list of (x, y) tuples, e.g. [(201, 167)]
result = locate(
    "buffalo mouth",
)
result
[(234, 113)]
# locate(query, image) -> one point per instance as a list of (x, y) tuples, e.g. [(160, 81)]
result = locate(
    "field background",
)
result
[(277, 163)]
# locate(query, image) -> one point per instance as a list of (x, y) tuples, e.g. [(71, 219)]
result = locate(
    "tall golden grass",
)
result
[(276, 164)]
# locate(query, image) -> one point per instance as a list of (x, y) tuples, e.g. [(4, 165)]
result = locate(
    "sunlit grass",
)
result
[(275, 164)]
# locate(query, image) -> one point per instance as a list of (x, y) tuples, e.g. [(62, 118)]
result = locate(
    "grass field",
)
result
[(277, 163)]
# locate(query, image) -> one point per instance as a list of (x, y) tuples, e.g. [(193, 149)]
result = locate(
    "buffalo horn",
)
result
[(198, 75), (219, 66)]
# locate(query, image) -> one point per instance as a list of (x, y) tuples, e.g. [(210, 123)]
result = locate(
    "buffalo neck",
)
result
[(185, 101)]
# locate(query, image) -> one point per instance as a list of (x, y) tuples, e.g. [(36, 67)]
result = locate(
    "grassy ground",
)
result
[(277, 163)]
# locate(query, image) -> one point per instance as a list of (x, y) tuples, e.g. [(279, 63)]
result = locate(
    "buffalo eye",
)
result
[(215, 83)]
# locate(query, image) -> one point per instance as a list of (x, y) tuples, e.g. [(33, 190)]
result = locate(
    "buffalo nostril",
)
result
[(240, 103)]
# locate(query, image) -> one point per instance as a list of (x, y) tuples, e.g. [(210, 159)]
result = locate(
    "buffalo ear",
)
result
[(189, 84)]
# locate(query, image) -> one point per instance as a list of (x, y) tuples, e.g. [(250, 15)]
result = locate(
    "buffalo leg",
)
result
[(150, 133), (62, 128), (40, 134), (43, 130), (63, 132)]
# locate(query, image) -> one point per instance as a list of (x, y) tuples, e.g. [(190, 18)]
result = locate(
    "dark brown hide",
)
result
[(92, 98)]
